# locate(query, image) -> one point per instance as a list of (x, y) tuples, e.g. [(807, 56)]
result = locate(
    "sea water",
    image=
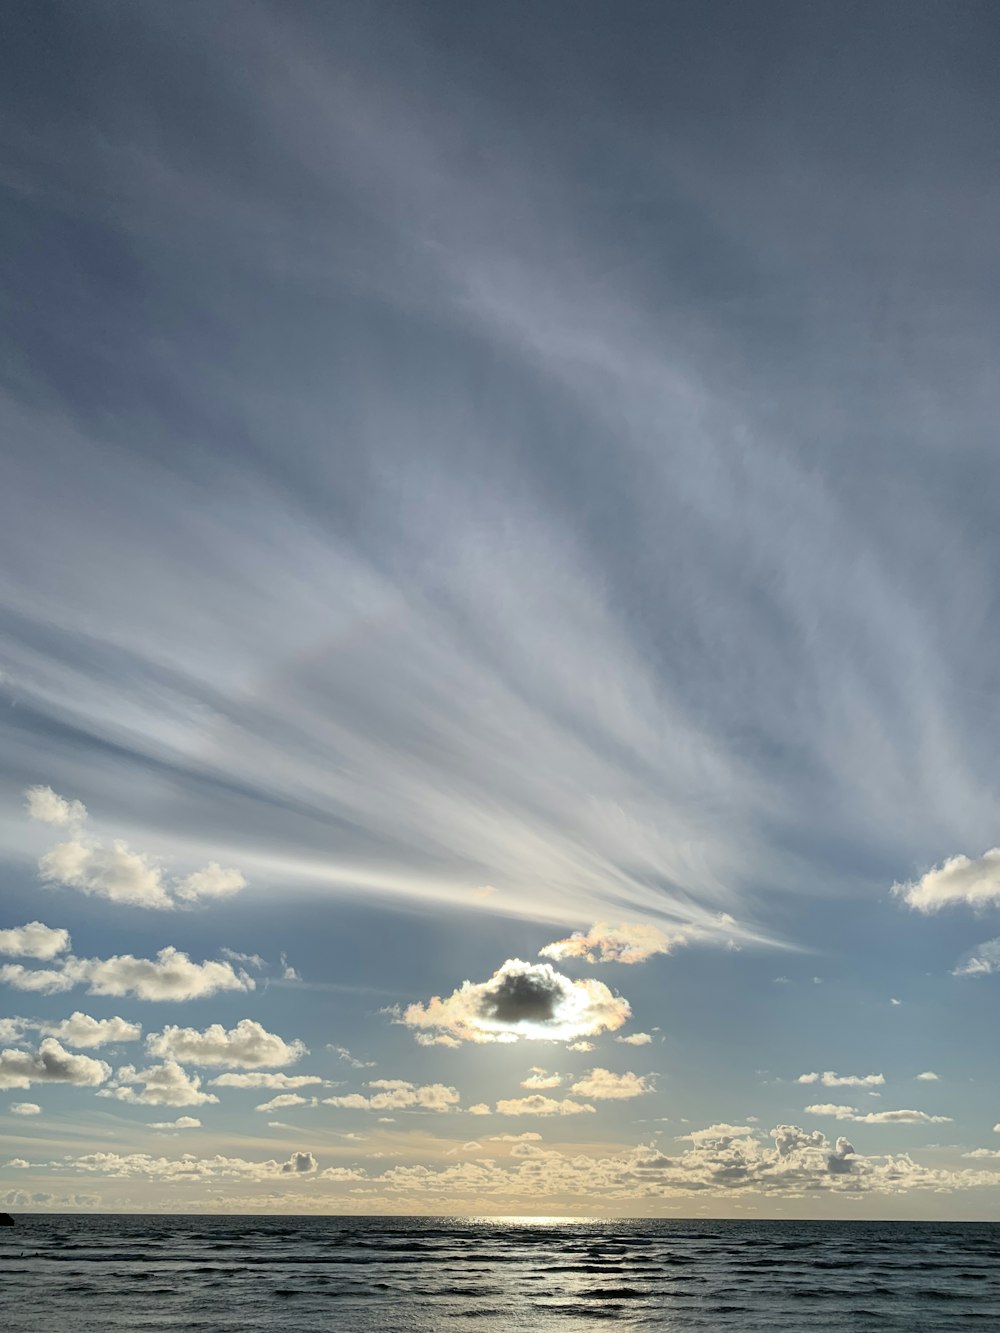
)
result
[(422, 1275)]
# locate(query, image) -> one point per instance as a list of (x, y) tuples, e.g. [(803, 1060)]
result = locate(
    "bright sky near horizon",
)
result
[(498, 607)]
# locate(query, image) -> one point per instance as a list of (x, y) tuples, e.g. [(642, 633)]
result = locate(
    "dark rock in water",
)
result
[(6, 1220)]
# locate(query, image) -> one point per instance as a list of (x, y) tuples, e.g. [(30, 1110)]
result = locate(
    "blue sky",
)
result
[(481, 478)]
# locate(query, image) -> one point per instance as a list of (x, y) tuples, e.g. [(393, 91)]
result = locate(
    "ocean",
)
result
[(421, 1275)]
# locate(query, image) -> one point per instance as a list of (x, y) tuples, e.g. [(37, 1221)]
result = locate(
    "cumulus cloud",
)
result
[(928, 1076), (299, 1164), (160, 1085), (614, 944), (18, 1164), (111, 870), (170, 976), (285, 1099), (521, 1000), (720, 1162), (343, 1174), (583, 1046), (393, 1094), (901, 1117), (540, 1078), (261, 1080), (84, 1032), (959, 879), (603, 1085), (539, 1105), (187, 1167), (246, 1046), (479, 1108), (52, 1063), (720, 1133), (214, 881), (182, 1122), (43, 804), (635, 1039), (107, 870), (831, 1080), (25, 1108), (832, 1110), (34, 940)]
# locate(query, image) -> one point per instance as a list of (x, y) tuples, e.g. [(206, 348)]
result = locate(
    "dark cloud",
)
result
[(524, 997)]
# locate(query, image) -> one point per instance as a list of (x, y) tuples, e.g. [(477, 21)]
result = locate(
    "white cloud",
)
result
[(529, 1136), (43, 804), (583, 1046), (51, 1064), (720, 1133), (539, 1079), (171, 976), (18, 1164), (901, 1117), (34, 940), (342, 1053), (12, 1029), (285, 1099), (160, 1085), (189, 1167), (107, 871), (182, 1122), (253, 959), (983, 1152), (396, 1094), (831, 1080), (212, 882), (261, 1080), (836, 1112), (959, 879), (24, 1199), (111, 870), (246, 1046), (44, 980), (603, 1085), (614, 944), (479, 1108), (928, 1076), (539, 1105), (82, 1031), (25, 1108), (635, 1039), (521, 1000), (980, 961)]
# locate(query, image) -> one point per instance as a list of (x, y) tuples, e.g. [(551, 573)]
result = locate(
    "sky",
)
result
[(499, 650)]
